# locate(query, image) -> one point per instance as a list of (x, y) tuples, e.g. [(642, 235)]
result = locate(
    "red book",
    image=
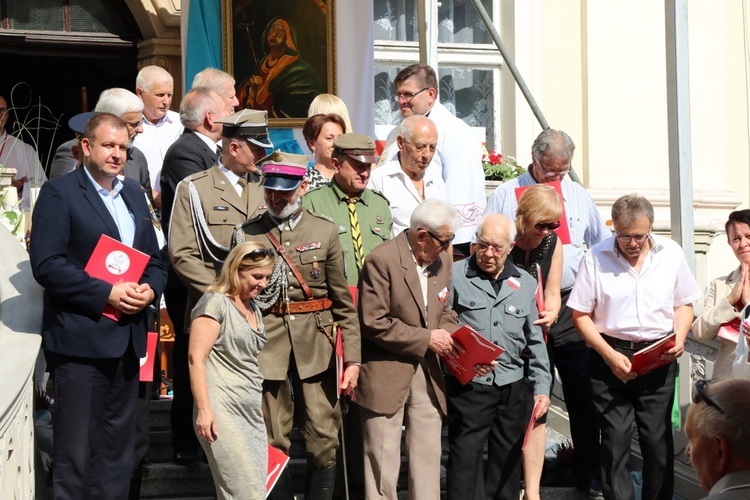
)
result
[(147, 362), (277, 460), (530, 425), (730, 331), (563, 232), (649, 358), (114, 262), (479, 351)]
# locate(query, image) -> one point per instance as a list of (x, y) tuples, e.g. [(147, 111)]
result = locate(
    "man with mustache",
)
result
[(306, 304), (406, 181)]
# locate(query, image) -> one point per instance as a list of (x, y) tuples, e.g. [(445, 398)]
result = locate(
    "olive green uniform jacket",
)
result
[(312, 242), (373, 216)]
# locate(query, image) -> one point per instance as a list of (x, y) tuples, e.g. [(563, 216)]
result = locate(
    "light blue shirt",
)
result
[(117, 208), (584, 222)]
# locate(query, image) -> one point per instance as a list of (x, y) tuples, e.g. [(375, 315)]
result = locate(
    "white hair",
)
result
[(213, 79), (434, 214), (510, 227), (150, 75), (412, 122), (195, 105), (119, 102)]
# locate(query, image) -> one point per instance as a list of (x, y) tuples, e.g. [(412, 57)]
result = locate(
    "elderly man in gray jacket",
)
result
[(496, 299)]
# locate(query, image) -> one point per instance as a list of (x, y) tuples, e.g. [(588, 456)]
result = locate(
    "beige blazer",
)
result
[(395, 327), (717, 310)]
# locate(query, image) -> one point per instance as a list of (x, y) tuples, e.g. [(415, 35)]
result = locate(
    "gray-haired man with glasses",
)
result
[(552, 155), (718, 443)]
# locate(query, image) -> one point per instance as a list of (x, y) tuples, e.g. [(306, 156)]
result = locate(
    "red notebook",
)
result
[(563, 232), (649, 358), (479, 351), (277, 460), (147, 362), (113, 262), (730, 331)]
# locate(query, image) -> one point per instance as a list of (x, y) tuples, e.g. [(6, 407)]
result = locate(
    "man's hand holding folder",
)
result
[(473, 355)]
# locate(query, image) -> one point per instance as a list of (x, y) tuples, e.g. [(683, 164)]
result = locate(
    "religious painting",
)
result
[(281, 53)]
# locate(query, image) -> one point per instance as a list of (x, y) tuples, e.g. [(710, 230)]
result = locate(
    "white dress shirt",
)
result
[(14, 153), (630, 305), (458, 160), (154, 142), (584, 222), (401, 193)]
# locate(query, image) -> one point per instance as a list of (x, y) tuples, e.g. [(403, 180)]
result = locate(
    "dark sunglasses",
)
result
[(699, 395), (548, 225), (259, 254)]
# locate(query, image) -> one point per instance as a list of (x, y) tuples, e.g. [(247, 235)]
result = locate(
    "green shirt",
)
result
[(373, 216)]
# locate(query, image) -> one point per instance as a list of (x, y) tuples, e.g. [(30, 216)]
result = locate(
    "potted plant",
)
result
[(498, 168)]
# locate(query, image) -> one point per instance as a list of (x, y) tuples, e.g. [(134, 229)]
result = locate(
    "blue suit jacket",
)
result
[(67, 222)]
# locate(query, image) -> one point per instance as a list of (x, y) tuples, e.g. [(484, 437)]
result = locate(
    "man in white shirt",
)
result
[(552, 154), (632, 290), (458, 157), (161, 127), (406, 180), (14, 153), (718, 444)]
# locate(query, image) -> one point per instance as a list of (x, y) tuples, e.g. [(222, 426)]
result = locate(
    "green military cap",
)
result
[(248, 123), (356, 146)]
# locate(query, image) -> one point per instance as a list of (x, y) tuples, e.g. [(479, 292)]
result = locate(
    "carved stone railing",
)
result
[(20, 327)]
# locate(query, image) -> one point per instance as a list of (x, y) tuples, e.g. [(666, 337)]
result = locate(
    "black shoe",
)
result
[(187, 458), (592, 489)]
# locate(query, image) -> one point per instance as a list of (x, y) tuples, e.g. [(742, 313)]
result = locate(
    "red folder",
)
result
[(530, 425), (147, 362), (479, 351), (730, 331), (114, 262), (563, 232), (649, 358), (277, 460)]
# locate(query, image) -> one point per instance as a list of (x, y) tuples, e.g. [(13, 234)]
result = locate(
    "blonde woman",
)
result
[(538, 248), (324, 104), (226, 336)]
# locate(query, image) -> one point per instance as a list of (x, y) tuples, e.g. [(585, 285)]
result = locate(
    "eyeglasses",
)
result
[(550, 173), (700, 396), (443, 244), (259, 254), (408, 96), (548, 225), (134, 124), (496, 249), (627, 238)]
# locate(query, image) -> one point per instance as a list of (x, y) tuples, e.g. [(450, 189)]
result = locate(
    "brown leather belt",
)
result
[(628, 344), (305, 306)]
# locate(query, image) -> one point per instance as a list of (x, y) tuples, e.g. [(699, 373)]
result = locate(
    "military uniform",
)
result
[(295, 340), (206, 210), (373, 215)]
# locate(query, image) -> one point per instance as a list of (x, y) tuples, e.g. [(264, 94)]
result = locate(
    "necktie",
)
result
[(359, 251)]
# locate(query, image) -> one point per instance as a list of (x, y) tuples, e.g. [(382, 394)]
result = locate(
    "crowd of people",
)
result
[(321, 292)]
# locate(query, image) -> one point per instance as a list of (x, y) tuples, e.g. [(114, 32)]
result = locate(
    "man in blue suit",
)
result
[(93, 359)]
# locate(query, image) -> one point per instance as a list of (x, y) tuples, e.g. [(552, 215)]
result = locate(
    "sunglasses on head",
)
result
[(548, 225), (259, 254)]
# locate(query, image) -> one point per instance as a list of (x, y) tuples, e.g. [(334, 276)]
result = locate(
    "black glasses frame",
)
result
[(700, 396), (408, 96), (548, 225), (443, 244)]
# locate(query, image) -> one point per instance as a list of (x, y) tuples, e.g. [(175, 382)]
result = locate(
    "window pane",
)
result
[(35, 15), (395, 20), (459, 22), (386, 109), (96, 16)]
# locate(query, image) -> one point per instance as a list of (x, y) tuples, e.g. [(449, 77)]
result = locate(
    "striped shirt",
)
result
[(584, 222)]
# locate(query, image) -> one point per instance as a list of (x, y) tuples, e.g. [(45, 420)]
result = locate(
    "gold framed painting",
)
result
[(281, 53)]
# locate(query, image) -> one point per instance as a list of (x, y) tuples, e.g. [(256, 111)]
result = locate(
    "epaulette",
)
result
[(197, 175), (321, 216), (316, 188), (251, 221), (381, 195)]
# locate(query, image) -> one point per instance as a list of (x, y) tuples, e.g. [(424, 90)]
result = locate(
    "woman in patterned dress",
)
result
[(226, 336), (319, 132)]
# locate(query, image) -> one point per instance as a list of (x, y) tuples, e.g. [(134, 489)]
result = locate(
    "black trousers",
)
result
[(94, 425), (647, 401), (478, 415), (570, 355), (181, 413)]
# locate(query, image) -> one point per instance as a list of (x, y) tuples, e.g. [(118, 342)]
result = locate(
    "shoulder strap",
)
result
[(295, 270)]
